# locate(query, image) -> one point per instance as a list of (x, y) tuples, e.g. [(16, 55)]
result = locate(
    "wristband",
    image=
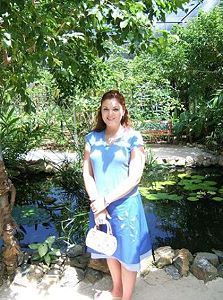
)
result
[(106, 202), (92, 200)]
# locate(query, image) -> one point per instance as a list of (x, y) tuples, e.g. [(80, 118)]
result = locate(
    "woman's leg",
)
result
[(128, 283), (115, 270)]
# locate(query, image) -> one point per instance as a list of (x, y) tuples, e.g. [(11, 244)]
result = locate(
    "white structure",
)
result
[(191, 10)]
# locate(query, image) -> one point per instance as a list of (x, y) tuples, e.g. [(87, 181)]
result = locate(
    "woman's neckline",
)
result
[(112, 138), (109, 141)]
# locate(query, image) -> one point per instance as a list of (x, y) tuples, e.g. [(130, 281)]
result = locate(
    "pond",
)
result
[(183, 208)]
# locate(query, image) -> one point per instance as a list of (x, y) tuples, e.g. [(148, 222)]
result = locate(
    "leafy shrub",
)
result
[(45, 252)]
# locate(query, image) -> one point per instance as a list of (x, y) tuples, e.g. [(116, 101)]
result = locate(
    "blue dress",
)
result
[(110, 167)]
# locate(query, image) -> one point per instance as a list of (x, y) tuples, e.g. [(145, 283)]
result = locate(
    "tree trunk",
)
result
[(11, 249)]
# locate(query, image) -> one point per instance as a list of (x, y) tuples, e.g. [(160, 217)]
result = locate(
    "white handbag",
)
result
[(100, 241)]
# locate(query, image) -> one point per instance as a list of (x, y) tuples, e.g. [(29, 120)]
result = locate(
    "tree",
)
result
[(66, 38), (193, 63)]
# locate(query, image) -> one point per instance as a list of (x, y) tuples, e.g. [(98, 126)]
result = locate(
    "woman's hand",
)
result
[(98, 205), (101, 217)]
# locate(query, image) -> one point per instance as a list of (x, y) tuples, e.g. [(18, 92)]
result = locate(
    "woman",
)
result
[(113, 165)]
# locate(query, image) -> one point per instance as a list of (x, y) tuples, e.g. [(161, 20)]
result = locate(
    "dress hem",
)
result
[(130, 267)]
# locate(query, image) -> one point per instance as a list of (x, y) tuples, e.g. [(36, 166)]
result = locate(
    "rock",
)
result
[(75, 250), (220, 270), (220, 160), (173, 272), (147, 265), (203, 269), (182, 261), (93, 275), (164, 256), (49, 279), (79, 261), (105, 283), (71, 277), (207, 162), (35, 272), (189, 161), (212, 258), (199, 160), (2, 269), (22, 279), (99, 265), (54, 272), (219, 254)]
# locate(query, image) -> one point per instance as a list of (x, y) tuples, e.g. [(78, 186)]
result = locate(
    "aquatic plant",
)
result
[(159, 196), (191, 187), (218, 199), (30, 215)]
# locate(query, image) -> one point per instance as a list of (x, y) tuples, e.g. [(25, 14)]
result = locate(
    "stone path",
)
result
[(181, 155), (157, 285), (178, 155)]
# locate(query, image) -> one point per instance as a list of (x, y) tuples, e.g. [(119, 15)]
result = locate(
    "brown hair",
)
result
[(100, 124)]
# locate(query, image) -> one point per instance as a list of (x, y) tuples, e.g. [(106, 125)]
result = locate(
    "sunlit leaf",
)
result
[(42, 249)]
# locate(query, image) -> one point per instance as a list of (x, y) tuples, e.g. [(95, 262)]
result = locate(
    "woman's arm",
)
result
[(88, 175), (91, 189), (136, 166)]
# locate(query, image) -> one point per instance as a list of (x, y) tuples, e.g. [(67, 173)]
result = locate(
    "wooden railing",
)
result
[(157, 131)]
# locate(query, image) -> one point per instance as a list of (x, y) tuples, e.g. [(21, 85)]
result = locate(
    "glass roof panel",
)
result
[(183, 16)]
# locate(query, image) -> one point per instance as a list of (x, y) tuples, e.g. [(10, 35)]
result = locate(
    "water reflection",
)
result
[(196, 226), (192, 225)]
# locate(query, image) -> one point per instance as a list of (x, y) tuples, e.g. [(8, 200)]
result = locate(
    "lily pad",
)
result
[(144, 191), (193, 194), (175, 197), (210, 182), (211, 193), (192, 198), (156, 186), (30, 215), (200, 177), (192, 187), (183, 175), (209, 188), (160, 185), (168, 182), (163, 196), (201, 186), (218, 199)]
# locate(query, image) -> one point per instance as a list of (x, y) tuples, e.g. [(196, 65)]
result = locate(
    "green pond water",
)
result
[(183, 209)]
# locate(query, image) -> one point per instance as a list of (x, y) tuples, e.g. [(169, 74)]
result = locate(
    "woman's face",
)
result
[(112, 112)]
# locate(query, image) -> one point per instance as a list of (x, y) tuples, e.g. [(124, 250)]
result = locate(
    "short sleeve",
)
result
[(87, 140), (136, 140)]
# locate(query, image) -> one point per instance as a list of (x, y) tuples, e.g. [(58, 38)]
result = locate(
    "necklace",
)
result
[(110, 139)]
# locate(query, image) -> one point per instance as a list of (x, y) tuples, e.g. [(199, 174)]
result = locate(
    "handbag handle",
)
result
[(109, 229)]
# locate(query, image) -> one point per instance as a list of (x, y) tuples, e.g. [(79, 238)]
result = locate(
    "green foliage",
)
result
[(19, 132), (192, 62), (74, 223), (148, 93), (68, 37), (45, 252)]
